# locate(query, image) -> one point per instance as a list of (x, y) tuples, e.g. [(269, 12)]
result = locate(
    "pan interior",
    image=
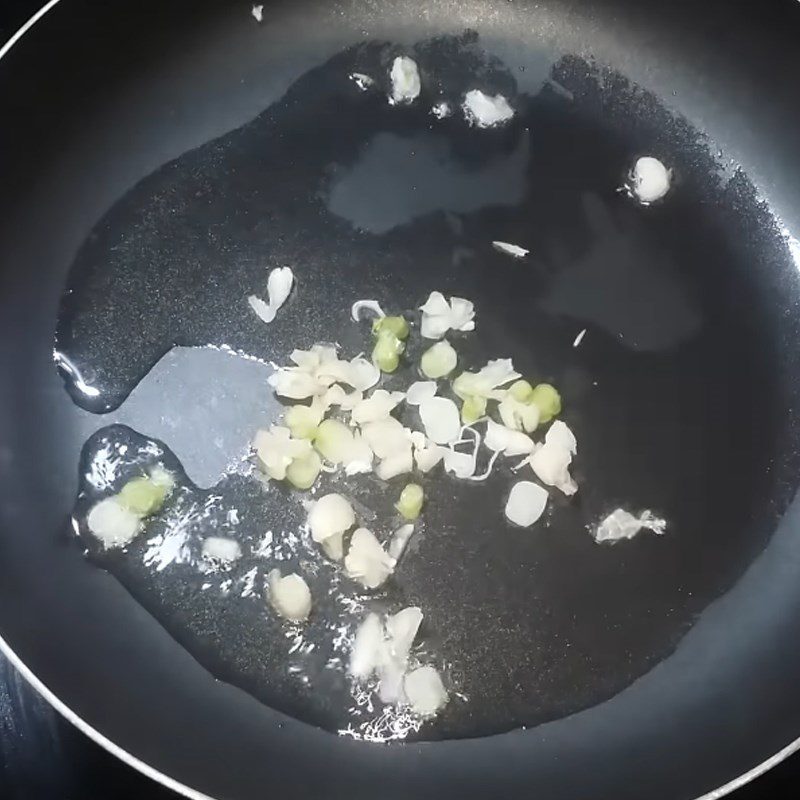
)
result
[(675, 394)]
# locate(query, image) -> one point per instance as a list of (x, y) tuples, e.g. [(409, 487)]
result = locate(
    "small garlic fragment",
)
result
[(649, 180), (221, 549), (376, 407), (552, 460), (366, 560), (113, 524), (510, 249), (367, 652), (485, 111), (399, 540), (425, 691), (279, 286), (621, 524), (406, 84), (289, 596)]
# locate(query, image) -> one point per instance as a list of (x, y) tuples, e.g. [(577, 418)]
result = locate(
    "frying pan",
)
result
[(157, 157)]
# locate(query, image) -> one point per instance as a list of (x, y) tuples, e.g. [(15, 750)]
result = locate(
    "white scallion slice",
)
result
[(440, 419), (419, 391), (526, 503)]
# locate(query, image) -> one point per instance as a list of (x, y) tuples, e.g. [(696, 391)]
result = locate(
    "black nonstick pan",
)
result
[(157, 158)]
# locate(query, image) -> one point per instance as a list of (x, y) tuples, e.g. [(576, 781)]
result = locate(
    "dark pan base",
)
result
[(684, 727)]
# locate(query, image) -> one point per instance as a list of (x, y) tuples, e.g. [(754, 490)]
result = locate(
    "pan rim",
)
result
[(171, 783)]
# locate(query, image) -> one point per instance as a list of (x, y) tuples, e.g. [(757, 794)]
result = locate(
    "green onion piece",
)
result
[(334, 440), (547, 400), (302, 421), (465, 385), (438, 361), (521, 391), (397, 326), (473, 409), (387, 350), (302, 472), (143, 496), (410, 502)]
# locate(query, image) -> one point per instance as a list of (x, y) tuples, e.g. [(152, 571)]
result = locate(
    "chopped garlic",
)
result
[(367, 652), (396, 464), (428, 456), (621, 524), (425, 691), (510, 249), (331, 516), (551, 461), (440, 316), (384, 651), (376, 407), (276, 450), (386, 437), (485, 111), (439, 360), (400, 539), (649, 180), (507, 441), (441, 110), (406, 84), (318, 369), (440, 419), (279, 286), (112, 523), (483, 383), (289, 596), (401, 630), (420, 391), (526, 503), (366, 560), (221, 549), (363, 82)]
